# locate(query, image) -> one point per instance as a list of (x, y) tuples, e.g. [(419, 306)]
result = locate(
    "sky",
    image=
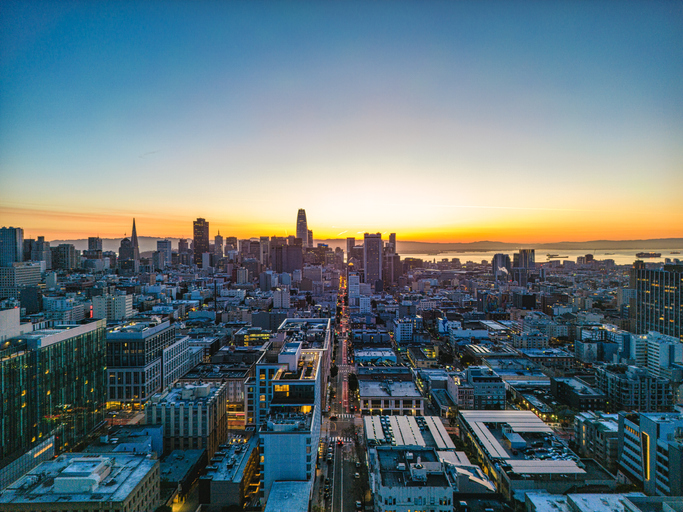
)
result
[(440, 121)]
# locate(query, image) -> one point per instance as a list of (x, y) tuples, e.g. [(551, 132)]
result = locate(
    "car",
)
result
[(340, 443), (327, 481), (356, 475), (357, 464), (333, 418), (359, 505)]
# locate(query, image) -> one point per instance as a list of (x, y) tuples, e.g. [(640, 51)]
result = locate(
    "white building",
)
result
[(365, 304), (391, 398), (662, 352), (116, 482), (112, 307), (403, 330), (281, 299)]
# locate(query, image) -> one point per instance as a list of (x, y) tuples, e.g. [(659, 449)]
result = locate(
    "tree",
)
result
[(334, 370), (353, 382)]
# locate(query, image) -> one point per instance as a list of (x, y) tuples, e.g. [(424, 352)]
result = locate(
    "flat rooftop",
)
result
[(187, 393), (410, 467), (287, 422), (75, 478), (423, 431), (229, 462), (289, 496), (388, 389)]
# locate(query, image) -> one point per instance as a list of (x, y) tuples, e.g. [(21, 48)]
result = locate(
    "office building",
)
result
[(659, 299), (577, 394), (134, 242), (142, 358), (14, 278), (193, 415), (64, 257), (52, 383), (478, 387), (38, 250), (372, 259), (662, 353), (522, 263), (83, 483), (164, 246), (95, 243), (630, 388), (218, 245), (231, 479), (201, 239), (302, 227), (410, 479), (350, 244), (651, 451), (11, 246), (112, 308), (501, 268), (390, 398), (596, 435)]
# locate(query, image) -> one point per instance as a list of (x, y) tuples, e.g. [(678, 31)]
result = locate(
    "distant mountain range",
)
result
[(148, 243)]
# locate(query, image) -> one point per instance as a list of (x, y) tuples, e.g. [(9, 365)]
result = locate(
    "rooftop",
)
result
[(185, 393), (387, 389), (287, 422), (413, 467), (229, 461), (79, 478), (425, 431), (289, 496)]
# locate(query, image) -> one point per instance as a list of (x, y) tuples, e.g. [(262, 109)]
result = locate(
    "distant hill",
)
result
[(149, 243)]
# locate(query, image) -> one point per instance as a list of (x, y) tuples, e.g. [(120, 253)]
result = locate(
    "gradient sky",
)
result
[(442, 121)]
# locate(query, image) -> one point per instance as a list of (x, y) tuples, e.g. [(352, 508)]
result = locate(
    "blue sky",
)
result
[(416, 117)]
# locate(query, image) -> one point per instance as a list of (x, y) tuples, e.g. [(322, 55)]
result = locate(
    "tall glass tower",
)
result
[(302, 227)]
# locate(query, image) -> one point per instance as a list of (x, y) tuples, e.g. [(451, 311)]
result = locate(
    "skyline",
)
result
[(516, 122)]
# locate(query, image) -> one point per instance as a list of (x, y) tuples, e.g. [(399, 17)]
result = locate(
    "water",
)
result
[(620, 257)]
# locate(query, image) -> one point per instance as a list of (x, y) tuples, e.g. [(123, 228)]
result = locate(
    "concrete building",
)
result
[(19, 275), (407, 479), (662, 352), (113, 308), (372, 258), (231, 479), (651, 451), (193, 416), (392, 398), (532, 339), (302, 228), (200, 230), (577, 394), (77, 482), (629, 388), (597, 437), (478, 387)]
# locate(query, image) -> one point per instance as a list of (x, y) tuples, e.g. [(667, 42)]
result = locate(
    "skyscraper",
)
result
[(501, 267), (134, 243), (201, 239), (372, 258), (95, 242), (302, 227), (350, 244), (218, 244), (165, 247), (524, 261), (12, 246), (659, 299)]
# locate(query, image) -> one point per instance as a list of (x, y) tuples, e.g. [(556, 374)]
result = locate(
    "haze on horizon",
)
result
[(517, 121)]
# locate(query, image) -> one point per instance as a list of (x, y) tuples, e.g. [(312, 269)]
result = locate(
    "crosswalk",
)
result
[(345, 416), (342, 439)]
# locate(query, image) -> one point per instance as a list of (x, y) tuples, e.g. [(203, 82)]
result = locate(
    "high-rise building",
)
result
[(302, 227), (390, 248), (164, 246), (52, 384), (218, 244), (134, 243), (183, 246), (310, 238), (350, 244), (523, 261), (95, 243), (112, 307), (64, 257), (38, 250), (11, 246), (501, 267), (201, 239), (372, 258), (659, 299)]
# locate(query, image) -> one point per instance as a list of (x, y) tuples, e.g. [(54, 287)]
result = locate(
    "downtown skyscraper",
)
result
[(201, 239), (372, 258), (302, 227)]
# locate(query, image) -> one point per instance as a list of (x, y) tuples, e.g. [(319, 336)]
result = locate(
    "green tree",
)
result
[(353, 382), (334, 370)]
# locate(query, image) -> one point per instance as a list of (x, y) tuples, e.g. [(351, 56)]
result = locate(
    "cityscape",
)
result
[(341, 257)]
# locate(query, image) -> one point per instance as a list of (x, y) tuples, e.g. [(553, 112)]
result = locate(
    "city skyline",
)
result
[(454, 122)]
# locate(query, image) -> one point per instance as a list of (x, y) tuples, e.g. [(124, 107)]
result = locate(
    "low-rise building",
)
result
[(80, 482), (193, 416), (478, 387), (388, 397), (577, 394)]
